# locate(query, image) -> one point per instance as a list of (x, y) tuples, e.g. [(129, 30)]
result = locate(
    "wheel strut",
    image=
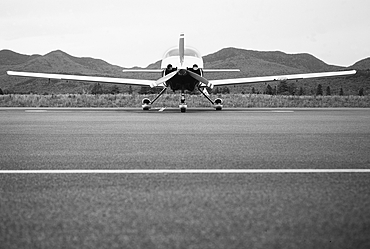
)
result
[(183, 106), (147, 104)]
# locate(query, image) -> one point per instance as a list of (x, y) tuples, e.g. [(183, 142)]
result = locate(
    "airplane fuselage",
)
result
[(182, 80), (182, 59)]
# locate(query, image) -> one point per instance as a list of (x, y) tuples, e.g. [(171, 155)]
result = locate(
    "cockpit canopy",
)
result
[(188, 52), (191, 57)]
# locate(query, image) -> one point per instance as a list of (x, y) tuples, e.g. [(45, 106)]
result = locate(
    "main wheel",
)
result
[(146, 104)]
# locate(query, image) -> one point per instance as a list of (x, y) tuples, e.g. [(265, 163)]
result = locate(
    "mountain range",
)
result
[(251, 63)]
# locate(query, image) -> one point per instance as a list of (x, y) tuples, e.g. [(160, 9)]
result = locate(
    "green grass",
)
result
[(172, 100)]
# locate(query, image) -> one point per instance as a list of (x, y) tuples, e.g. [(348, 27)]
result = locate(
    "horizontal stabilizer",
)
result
[(220, 70), (142, 70)]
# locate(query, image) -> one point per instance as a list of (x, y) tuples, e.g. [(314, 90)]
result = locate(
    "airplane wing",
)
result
[(150, 83), (250, 80), (142, 70), (161, 70)]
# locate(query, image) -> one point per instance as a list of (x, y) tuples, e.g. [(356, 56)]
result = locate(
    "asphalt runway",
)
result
[(219, 210)]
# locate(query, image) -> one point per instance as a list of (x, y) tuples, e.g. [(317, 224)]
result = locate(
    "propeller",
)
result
[(192, 74), (164, 78), (198, 77)]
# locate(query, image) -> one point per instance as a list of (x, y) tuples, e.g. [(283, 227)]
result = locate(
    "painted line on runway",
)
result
[(265, 111), (35, 111), (183, 171), (282, 111)]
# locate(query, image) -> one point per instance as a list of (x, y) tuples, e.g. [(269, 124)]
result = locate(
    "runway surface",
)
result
[(185, 210)]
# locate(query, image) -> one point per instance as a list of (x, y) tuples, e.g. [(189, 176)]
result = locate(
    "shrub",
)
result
[(172, 100)]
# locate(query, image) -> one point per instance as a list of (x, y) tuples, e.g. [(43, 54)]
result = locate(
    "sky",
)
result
[(138, 32)]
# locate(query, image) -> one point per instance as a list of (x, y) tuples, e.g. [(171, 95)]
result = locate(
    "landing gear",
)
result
[(183, 106), (217, 104), (147, 104)]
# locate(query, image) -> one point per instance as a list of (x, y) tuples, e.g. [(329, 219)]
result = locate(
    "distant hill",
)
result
[(8, 57), (57, 62), (266, 63), (53, 62), (257, 63), (362, 64), (251, 63)]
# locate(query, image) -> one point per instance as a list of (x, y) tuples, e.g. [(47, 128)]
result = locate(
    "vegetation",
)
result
[(328, 91), (172, 100), (319, 90)]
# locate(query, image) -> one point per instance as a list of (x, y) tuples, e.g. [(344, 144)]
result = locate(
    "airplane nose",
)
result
[(182, 72)]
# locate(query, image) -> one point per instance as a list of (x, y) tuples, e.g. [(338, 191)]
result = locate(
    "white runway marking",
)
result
[(35, 111), (282, 111), (266, 111), (183, 171)]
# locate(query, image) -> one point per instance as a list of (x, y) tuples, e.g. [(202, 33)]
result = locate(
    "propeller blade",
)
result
[(164, 78), (199, 78)]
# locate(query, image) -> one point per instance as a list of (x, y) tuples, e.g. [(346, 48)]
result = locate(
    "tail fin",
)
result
[(182, 48)]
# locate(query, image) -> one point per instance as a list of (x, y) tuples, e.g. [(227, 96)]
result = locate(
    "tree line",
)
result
[(283, 88)]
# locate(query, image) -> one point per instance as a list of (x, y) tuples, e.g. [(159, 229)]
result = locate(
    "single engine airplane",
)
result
[(182, 69)]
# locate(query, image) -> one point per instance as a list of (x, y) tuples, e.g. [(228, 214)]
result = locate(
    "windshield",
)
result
[(188, 52)]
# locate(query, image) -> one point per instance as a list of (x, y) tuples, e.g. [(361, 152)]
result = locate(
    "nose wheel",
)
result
[(183, 106)]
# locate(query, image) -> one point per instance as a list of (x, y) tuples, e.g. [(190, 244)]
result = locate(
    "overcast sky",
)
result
[(138, 32)]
